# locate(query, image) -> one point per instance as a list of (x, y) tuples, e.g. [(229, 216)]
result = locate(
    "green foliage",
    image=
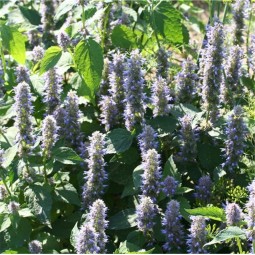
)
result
[(66, 156)]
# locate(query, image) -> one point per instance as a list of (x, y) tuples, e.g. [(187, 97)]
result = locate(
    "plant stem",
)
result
[(3, 59), (5, 184), (83, 15), (225, 13), (5, 138), (239, 245)]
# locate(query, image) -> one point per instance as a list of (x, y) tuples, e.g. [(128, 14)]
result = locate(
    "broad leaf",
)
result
[(122, 220), (67, 194), (137, 176), (66, 156), (31, 15), (50, 58)]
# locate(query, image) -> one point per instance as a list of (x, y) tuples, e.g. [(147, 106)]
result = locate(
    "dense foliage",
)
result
[(127, 126)]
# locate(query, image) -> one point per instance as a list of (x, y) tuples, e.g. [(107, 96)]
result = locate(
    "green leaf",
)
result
[(80, 86), (163, 124), (39, 201), (9, 155), (213, 213), (66, 156), (137, 238), (209, 156), (88, 57), (10, 252), (73, 235), (31, 15), (129, 189), (228, 233), (14, 42), (170, 169), (168, 22), (64, 8), (50, 58), (137, 176), (118, 140), (25, 212), (123, 37), (67, 194), (123, 220), (5, 222)]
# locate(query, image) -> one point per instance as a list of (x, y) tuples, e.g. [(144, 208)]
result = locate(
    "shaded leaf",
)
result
[(122, 220)]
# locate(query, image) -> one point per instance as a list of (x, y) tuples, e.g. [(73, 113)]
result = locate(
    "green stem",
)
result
[(239, 245), (5, 138), (106, 18), (225, 13), (45, 168), (83, 15), (3, 60), (5, 184)]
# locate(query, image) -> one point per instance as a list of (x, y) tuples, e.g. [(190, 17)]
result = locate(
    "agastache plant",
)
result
[(169, 186), (97, 218), (163, 62), (96, 175), (250, 207), (186, 82), (86, 240), (22, 74), (197, 236), (212, 66), (23, 120), (63, 40), (116, 82), (72, 119), (52, 90), (37, 53), (49, 135), (188, 150), (240, 14), (232, 67), (147, 139), (134, 91), (233, 214), (172, 227), (251, 54), (234, 146), (35, 247), (146, 212), (152, 174), (109, 112), (160, 97), (203, 190)]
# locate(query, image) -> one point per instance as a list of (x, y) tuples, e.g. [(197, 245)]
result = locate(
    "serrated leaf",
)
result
[(137, 176), (5, 222), (228, 233), (50, 58), (31, 15), (164, 124), (88, 57), (167, 22), (40, 202), (214, 213), (170, 169), (9, 155), (118, 140), (123, 37), (123, 220), (63, 8), (68, 194), (66, 156), (74, 234), (14, 42)]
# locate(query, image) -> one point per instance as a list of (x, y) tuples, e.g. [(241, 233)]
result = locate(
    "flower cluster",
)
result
[(197, 236), (134, 90), (234, 145), (163, 63), (160, 97), (96, 218), (63, 40), (188, 150), (232, 68), (13, 207), (250, 206), (203, 190), (49, 134), (172, 227), (37, 53), (35, 247), (147, 139), (212, 61), (233, 214), (240, 13), (96, 175), (152, 174), (169, 186), (22, 74), (186, 82), (72, 117), (52, 90), (146, 212), (23, 122), (86, 240)]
